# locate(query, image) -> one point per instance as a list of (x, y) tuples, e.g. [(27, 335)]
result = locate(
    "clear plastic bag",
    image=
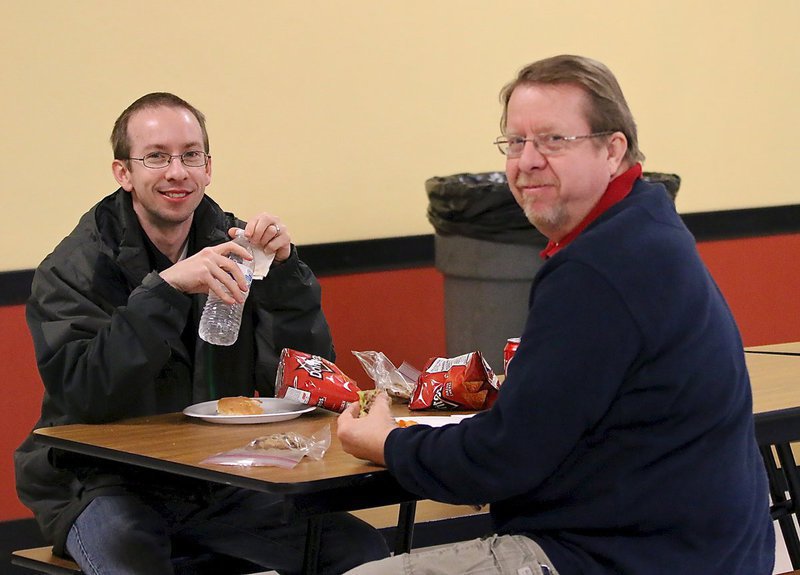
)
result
[(276, 450), (395, 382)]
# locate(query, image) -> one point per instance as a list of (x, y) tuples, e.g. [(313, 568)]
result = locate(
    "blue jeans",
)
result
[(132, 535)]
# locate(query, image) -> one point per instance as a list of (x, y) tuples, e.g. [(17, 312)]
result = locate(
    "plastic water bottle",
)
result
[(219, 324)]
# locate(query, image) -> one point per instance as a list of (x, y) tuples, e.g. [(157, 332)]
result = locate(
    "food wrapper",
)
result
[(262, 260), (313, 380), (463, 382), (276, 450), (386, 376)]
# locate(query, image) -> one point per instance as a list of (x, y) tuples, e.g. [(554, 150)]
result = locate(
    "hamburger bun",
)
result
[(239, 406)]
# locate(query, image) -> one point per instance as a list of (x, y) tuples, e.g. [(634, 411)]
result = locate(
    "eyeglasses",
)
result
[(158, 160), (545, 144)]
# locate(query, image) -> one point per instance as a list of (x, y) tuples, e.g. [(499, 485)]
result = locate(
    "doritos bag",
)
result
[(463, 382), (313, 380)]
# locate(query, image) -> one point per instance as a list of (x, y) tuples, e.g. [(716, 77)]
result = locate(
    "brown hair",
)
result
[(119, 135), (608, 110)]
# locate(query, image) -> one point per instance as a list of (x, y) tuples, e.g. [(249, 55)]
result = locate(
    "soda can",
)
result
[(509, 350)]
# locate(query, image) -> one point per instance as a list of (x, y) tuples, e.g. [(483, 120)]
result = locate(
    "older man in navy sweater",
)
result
[(622, 439)]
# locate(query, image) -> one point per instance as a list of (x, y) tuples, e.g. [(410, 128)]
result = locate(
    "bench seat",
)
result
[(42, 560)]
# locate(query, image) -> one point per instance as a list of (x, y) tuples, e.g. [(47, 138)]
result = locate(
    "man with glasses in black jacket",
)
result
[(114, 314)]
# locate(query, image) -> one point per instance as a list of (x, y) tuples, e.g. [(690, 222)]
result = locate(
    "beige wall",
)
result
[(333, 114)]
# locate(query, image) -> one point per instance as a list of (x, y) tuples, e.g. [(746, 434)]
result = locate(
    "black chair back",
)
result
[(775, 432)]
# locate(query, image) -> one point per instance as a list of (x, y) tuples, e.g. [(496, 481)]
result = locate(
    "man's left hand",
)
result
[(268, 233)]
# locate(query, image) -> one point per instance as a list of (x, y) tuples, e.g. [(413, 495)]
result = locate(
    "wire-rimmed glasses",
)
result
[(158, 160), (545, 144)]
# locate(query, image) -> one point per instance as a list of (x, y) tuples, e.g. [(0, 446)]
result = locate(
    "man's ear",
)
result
[(122, 174), (617, 148), (208, 172)]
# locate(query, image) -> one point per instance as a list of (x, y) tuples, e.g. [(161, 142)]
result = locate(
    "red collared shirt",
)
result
[(616, 191)]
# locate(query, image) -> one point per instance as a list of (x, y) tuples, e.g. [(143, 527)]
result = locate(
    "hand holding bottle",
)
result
[(266, 232), (211, 270), (219, 324)]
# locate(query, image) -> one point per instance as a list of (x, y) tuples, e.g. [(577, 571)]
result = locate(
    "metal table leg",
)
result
[(313, 535), (405, 527)]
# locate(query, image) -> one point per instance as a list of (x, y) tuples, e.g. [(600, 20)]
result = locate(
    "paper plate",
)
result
[(275, 409)]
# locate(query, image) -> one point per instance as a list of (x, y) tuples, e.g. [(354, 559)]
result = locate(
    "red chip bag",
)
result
[(463, 382), (313, 380)]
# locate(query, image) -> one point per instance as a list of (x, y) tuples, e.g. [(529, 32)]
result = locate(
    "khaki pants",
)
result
[(495, 555)]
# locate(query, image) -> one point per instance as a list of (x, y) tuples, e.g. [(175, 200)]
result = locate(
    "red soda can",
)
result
[(509, 350)]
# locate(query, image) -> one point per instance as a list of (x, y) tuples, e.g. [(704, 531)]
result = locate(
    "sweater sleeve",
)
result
[(578, 343)]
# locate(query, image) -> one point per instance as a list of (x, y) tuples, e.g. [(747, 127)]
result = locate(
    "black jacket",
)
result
[(107, 331)]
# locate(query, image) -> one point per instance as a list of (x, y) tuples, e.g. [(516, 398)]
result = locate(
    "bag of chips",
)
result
[(313, 380), (463, 382)]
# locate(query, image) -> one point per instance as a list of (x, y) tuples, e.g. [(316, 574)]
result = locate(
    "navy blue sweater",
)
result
[(622, 439)]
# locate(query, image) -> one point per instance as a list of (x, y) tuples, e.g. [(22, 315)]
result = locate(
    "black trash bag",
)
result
[(479, 206), (670, 181)]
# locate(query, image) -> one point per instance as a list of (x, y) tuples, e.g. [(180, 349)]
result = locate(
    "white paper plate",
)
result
[(435, 420), (275, 409)]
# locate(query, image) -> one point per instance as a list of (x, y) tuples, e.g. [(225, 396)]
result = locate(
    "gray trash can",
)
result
[(488, 252)]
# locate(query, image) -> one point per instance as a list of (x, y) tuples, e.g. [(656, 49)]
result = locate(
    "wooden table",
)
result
[(775, 379), (790, 348), (338, 482), (177, 444)]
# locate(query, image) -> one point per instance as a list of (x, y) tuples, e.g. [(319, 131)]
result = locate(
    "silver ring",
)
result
[(277, 230)]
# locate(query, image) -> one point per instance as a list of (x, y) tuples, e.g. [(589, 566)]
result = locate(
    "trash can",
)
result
[(488, 252), (672, 182)]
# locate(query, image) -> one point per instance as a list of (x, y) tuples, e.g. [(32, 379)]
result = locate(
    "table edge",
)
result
[(202, 473)]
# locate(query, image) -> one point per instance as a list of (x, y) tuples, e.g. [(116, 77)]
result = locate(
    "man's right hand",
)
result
[(210, 270), (365, 437)]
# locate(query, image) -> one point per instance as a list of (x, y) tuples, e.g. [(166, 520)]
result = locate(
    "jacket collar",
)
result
[(119, 228)]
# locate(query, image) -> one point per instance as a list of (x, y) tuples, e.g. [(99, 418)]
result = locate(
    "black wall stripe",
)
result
[(417, 251), (368, 255), (744, 223), (15, 286)]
